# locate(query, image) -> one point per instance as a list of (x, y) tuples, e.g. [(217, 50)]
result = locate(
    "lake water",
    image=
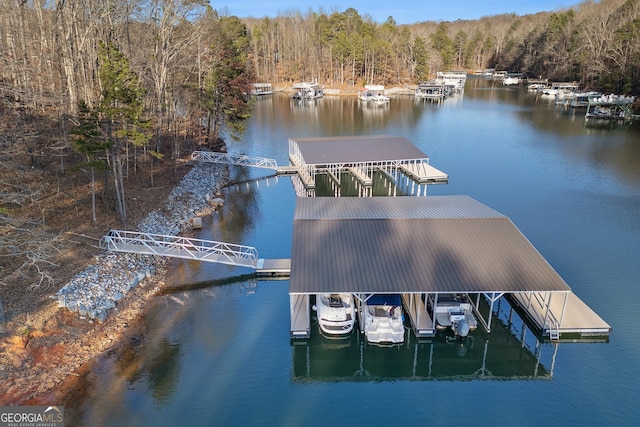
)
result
[(217, 349)]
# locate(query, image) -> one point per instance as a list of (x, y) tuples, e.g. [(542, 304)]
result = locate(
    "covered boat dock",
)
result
[(361, 156), (422, 246)]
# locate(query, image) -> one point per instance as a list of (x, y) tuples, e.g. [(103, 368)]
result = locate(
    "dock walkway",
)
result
[(419, 317), (196, 249), (576, 319), (423, 172), (273, 267)]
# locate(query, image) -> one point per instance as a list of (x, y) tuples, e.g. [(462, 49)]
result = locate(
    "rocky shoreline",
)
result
[(97, 289), (97, 307)]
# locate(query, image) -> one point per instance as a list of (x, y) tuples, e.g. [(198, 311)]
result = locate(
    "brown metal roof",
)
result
[(412, 245), (357, 149), (396, 208)]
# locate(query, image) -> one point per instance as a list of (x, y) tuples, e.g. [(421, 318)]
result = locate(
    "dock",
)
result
[(361, 157), (563, 322), (390, 245), (273, 268), (309, 157), (420, 320), (300, 311), (419, 247), (423, 173), (610, 107), (287, 170)]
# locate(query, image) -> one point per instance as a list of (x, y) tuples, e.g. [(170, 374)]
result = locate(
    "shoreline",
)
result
[(93, 312)]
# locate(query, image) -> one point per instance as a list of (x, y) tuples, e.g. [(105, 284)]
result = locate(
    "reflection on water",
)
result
[(196, 346), (500, 355), (204, 333), (381, 186)]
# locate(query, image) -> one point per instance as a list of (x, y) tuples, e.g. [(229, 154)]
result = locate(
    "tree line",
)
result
[(191, 61), (595, 43), (119, 75)]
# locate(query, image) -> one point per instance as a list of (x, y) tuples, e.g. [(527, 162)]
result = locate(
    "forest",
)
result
[(596, 43), (96, 96)]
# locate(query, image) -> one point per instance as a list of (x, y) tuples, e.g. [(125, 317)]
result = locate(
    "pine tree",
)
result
[(88, 141), (121, 110), (228, 80)]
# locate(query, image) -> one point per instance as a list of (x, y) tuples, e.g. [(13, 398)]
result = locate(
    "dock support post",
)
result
[(564, 307), (546, 313)]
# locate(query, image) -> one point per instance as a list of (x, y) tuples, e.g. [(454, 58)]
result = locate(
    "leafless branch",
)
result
[(31, 248)]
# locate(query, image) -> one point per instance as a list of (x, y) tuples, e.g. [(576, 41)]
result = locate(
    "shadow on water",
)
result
[(167, 290)]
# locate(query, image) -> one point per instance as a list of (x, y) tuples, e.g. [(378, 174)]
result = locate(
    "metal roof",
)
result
[(395, 208), (357, 149), (412, 245)]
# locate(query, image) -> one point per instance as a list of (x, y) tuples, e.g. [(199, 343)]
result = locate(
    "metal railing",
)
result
[(548, 322), (234, 159), (180, 247)]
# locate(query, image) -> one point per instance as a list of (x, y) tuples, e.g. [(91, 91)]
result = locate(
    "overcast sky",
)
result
[(403, 11)]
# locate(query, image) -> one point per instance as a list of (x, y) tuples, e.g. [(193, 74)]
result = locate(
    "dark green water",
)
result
[(217, 351)]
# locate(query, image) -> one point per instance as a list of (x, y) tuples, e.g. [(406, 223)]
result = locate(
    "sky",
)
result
[(403, 11)]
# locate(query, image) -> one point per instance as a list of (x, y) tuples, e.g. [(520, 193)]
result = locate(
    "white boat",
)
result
[(307, 91), (336, 313), (373, 93), (383, 319), (560, 88), (536, 86), (511, 80), (453, 311), (499, 75)]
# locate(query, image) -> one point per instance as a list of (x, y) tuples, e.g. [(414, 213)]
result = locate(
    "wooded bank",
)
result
[(117, 86), (51, 49)]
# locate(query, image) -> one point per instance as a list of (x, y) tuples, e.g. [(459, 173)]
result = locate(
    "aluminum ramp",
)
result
[(234, 159), (180, 247)]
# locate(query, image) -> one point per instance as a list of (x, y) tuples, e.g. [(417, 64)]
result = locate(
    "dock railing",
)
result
[(549, 321), (234, 159), (180, 247)]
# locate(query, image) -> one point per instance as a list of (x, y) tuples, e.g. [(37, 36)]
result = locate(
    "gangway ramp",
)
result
[(180, 247), (234, 159)]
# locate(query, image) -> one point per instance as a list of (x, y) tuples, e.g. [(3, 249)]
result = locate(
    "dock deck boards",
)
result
[(579, 318), (300, 316), (418, 315), (273, 267), (360, 175), (424, 172), (287, 170)]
